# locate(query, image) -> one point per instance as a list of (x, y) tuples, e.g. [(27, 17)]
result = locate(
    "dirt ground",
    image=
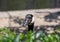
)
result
[(39, 17)]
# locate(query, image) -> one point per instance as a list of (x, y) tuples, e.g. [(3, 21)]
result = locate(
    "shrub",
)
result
[(7, 36)]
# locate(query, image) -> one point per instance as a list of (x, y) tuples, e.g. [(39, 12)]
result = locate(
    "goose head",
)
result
[(29, 18)]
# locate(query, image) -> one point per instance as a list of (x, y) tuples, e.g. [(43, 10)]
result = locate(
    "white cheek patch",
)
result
[(32, 20)]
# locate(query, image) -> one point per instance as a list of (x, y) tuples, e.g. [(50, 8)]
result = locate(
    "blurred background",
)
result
[(6, 5), (46, 13)]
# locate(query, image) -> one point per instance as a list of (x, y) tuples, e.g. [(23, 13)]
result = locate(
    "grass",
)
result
[(7, 36)]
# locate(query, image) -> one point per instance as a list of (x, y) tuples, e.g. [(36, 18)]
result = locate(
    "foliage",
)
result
[(22, 4), (16, 4), (41, 4), (57, 29), (7, 36)]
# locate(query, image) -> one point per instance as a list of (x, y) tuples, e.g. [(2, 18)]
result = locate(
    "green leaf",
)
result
[(21, 36), (1, 29), (17, 38)]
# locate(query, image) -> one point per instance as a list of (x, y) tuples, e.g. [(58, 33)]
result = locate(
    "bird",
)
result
[(29, 21)]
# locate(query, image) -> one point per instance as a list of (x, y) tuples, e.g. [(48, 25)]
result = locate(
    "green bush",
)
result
[(7, 36)]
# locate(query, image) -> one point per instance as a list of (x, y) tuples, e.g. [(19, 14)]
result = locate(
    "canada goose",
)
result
[(29, 21)]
